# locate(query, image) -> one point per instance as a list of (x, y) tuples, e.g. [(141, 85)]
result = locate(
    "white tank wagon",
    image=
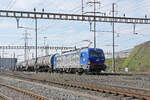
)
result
[(30, 64), (21, 66), (44, 63)]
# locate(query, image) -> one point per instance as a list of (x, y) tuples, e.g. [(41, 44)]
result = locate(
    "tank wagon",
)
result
[(21, 66), (83, 60)]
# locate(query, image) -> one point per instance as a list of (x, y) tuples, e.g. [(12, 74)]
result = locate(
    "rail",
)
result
[(4, 97), (131, 92), (24, 92), (126, 91)]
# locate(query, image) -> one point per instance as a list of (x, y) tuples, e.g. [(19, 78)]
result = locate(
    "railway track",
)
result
[(12, 93), (3, 97), (116, 90), (131, 92)]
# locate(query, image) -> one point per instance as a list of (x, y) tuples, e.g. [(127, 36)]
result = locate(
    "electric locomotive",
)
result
[(84, 60), (88, 60), (93, 59)]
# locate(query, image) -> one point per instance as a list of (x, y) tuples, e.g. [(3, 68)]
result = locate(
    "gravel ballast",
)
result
[(59, 92), (138, 82), (14, 95), (49, 91)]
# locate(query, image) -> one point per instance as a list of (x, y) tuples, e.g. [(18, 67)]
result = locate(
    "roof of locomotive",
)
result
[(91, 49), (79, 50)]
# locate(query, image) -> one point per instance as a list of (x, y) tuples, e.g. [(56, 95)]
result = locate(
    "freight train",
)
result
[(88, 60)]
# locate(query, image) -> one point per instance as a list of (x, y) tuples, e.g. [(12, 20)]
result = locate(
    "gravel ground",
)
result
[(1, 98), (139, 82), (57, 93), (14, 95)]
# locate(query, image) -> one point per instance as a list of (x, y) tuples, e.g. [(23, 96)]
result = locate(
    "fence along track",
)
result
[(22, 91), (4, 97)]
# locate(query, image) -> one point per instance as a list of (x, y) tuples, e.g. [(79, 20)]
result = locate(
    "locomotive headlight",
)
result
[(89, 62), (97, 59)]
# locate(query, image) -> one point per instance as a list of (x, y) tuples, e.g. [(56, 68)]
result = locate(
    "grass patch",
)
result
[(138, 60)]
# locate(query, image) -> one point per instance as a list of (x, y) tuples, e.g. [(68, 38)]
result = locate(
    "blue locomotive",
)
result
[(81, 60), (85, 60)]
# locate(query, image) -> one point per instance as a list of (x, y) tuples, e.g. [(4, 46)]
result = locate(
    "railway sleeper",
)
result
[(4, 97), (24, 92), (125, 94)]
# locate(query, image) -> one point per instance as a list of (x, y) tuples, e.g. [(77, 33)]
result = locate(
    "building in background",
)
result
[(8, 63), (120, 54)]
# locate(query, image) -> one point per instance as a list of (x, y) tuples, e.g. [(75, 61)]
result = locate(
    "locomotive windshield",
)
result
[(95, 53)]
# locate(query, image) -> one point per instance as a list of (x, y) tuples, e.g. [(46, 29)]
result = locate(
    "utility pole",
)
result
[(35, 41), (113, 30), (3, 53), (94, 24), (11, 66), (14, 66), (45, 47), (26, 45), (112, 52), (94, 14), (82, 7)]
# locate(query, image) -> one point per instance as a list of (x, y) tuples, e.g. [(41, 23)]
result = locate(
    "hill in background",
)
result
[(119, 63), (139, 58), (137, 61)]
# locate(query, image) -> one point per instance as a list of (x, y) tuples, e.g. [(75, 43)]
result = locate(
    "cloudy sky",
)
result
[(71, 33)]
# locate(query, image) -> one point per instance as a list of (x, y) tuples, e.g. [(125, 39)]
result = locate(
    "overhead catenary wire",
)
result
[(133, 37), (129, 40), (137, 36), (74, 10), (78, 7), (138, 5), (11, 4), (110, 4), (135, 7), (125, 31)]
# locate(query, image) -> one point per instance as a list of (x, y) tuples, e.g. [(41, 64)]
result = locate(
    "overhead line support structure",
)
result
[(38, 47), (94, 25), (72, 17), (36, 33), (94, 3), (113, 30)]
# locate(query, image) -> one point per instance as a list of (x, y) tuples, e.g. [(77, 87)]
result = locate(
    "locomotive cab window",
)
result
[(82, 54), (96, 53)]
